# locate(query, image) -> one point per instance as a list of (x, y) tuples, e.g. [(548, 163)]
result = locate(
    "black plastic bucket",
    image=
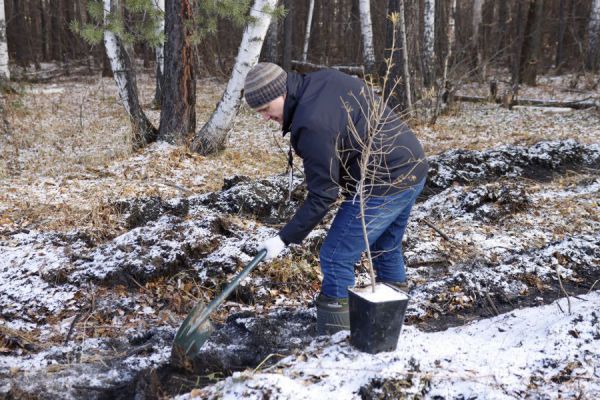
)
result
[(376, 318)]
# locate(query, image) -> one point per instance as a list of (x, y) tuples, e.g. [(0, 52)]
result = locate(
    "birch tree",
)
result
[(159, 53), (451, 35), (593, 45), (4, 72), (124, 75), (311, 9), (212, 136), (428, 42), (405, 69), (366, 29)]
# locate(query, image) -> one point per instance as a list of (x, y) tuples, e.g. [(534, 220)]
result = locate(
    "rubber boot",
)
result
[(332, 315)]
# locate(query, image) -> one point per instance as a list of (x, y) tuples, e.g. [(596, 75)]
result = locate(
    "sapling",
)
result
[(372, 144)]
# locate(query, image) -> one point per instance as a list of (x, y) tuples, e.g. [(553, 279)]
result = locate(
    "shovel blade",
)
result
[(188, 342), (196, 328)]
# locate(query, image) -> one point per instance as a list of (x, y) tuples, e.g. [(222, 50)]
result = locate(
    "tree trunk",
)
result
[(213, 134), (366, 29), (45, 30), (502, 31), (560, 39), (518, 42), (475, 38), (36, 32), (18, 35), (71, 43), (288, 30), (395, 90), (160, 58), (4, 72), (405, 64), (593, 46), (428, 43), (106, 67), (57, 41), (531, 47), (272, 42), (451, 35), (178, 113), (311, 8), (143, 131)]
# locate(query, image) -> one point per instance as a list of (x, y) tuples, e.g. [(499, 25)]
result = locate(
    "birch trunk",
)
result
[(366, 29), (428, 42), (406, 72), (213, 135), (160, 56), (451, 38), (143, 131), (4, 72), (311, 9), (593, 48)]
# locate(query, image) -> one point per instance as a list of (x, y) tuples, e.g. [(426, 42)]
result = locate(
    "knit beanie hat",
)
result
[(264, 83)]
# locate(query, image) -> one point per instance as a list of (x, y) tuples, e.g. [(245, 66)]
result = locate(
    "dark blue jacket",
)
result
[(317, 112)]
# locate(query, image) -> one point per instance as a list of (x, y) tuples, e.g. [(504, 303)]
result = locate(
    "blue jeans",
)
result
[(386, 219)]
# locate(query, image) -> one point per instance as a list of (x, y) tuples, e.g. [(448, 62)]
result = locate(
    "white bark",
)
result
[(160, 50), (311, 9), (117, 64), (4, 72), (594, 35), (367, 34), (124, 78), (451, 30), (451, 37), (429, 40), (160, 54), (212, 135)]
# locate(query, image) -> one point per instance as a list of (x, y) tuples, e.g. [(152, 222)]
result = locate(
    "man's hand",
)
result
[(274, 247)]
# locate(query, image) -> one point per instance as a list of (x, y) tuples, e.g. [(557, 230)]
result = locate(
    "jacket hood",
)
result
[(294, 92)]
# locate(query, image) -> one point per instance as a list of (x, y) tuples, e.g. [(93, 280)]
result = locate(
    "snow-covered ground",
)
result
[(539, 352), (103, 252)]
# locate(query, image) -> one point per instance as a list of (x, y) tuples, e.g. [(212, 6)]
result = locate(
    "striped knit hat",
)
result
[(264, 82)]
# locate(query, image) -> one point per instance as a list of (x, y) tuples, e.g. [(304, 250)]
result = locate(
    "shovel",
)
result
[(196, 328)]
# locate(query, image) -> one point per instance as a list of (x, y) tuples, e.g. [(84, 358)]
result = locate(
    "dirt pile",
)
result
[(541, 162)]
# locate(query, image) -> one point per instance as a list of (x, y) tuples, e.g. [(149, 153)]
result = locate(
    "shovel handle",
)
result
[(200, 313), (236, 281)]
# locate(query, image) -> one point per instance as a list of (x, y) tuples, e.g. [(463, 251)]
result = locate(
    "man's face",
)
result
[(273, 111)]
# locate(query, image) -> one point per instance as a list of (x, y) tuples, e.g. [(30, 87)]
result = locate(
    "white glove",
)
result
[(274, 247)]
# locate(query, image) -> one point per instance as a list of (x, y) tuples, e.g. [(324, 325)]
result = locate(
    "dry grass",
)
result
[(66, 158)]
